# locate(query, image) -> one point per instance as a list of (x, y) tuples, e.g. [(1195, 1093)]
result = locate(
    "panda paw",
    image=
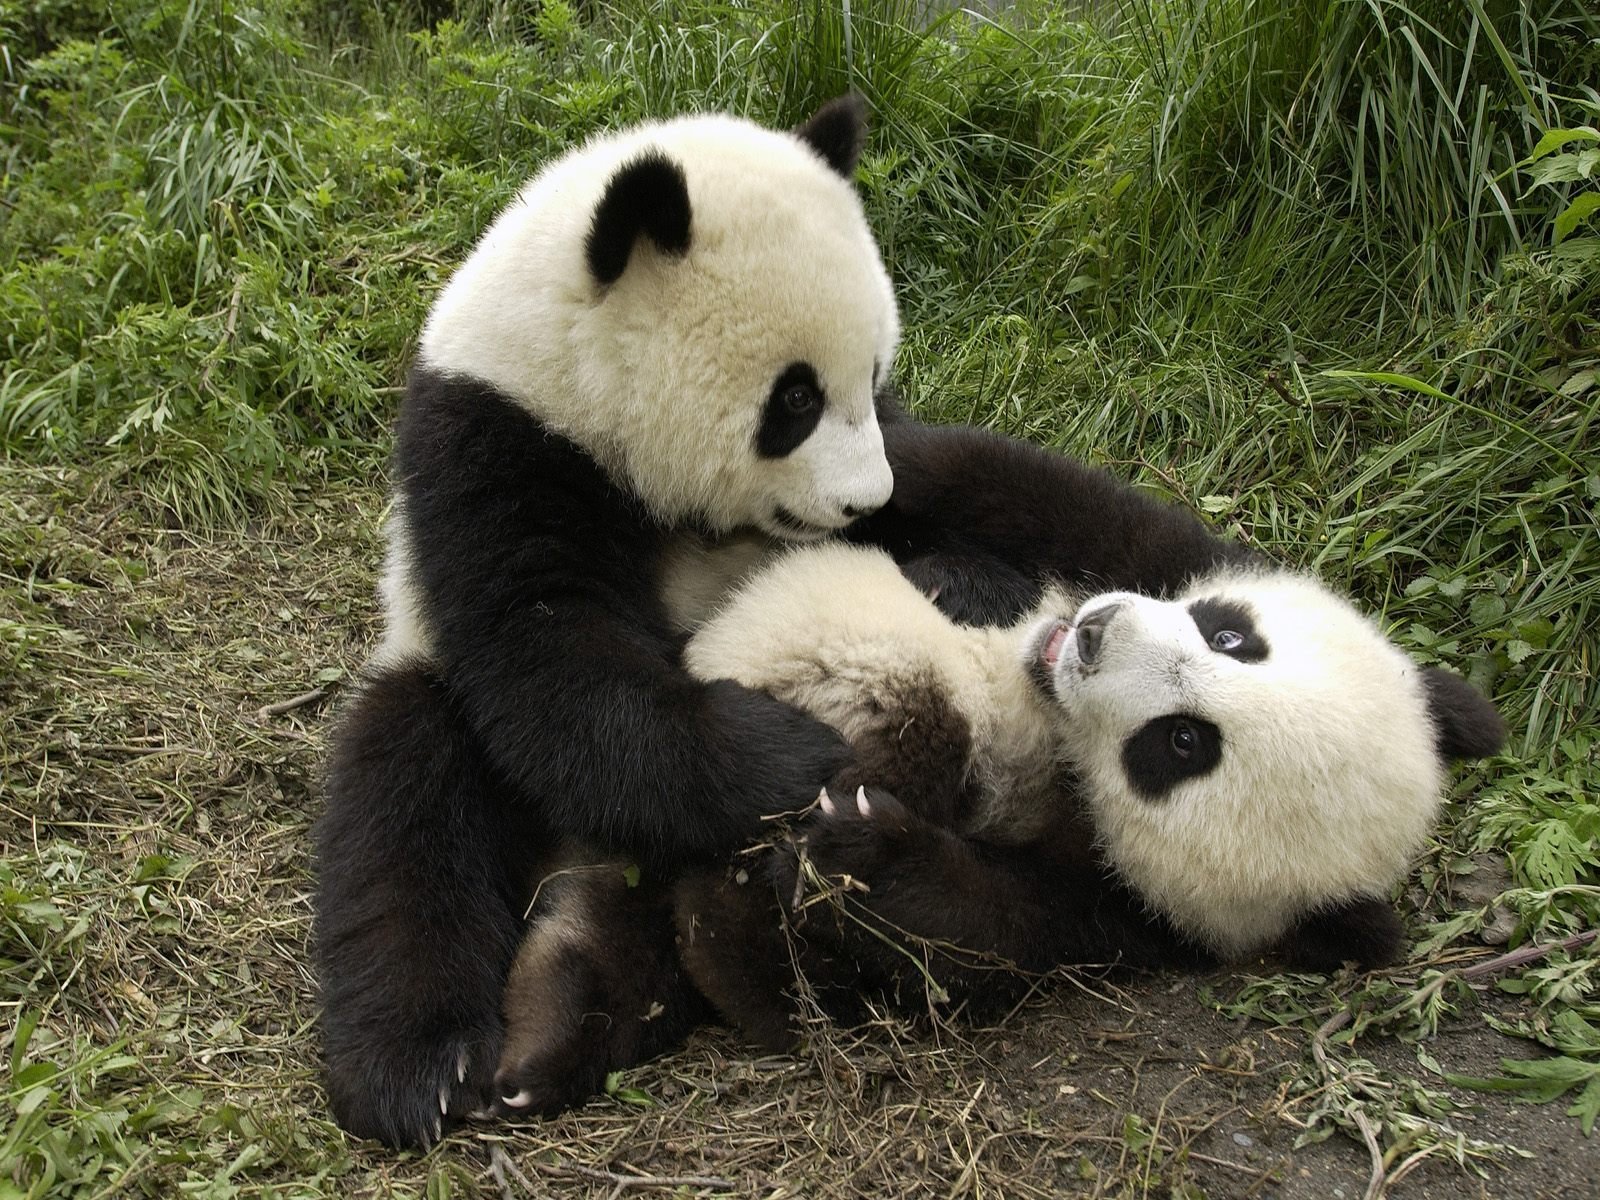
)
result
[(880, 805), (545, 1081), (409, 1095), (773, 758), (861, 837)]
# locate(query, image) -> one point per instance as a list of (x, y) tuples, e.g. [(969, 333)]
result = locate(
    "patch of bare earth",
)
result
[(164, 709)]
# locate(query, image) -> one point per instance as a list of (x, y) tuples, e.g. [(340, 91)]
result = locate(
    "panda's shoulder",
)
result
[(474, 468)]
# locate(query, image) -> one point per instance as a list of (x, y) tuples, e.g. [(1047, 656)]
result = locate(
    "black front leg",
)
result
[(978, 918), (971, 499)]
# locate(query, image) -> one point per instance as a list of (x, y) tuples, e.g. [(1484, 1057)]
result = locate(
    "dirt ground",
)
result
[(137, 742)]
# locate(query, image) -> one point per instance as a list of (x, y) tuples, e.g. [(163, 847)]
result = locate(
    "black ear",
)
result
[(838, 131), (1467, 725), (1361, 930), (647, 195)]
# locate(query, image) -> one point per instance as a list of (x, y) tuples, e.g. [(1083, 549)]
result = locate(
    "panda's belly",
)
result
[(699, 573)]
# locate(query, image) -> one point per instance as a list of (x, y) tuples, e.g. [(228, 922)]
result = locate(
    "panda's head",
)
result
[(1255, 750), (700, 304)]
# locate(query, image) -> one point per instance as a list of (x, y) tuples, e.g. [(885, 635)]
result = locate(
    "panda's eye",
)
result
[(800, 398), (1226, 639), (1183, 739)]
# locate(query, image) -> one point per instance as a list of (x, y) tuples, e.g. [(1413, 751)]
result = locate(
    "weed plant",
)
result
[(1326, 270)]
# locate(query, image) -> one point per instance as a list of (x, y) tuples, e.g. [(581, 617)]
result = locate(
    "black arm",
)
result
[(540, 595), (969, 907), (978, 506)]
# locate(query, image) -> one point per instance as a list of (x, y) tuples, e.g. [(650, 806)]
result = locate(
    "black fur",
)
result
[(983, 921), (578, 1008), (1466, 724), (541, 587), (1362, 930), (792, 411), (981, 506), (971, 590), (566, 709), (1166, 751), (421, 856), (1212, 617), (648, 195), (838, 132)]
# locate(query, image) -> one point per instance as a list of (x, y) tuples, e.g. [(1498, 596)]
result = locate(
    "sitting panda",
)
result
[(660, 359), (1138, 743)]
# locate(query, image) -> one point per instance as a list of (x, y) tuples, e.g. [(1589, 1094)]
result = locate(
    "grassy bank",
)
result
[(1327, 271)]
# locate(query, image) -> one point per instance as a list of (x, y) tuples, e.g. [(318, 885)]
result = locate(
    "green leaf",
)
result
[(1564, 168), (151, 866), (1579, 382), (1392, 379), (630, 875), (1537, 632), (1486, 609), (26, 1024), (1421, 585), (1587, 1106), (1554, 139), (1541, 1080), (1581, 209)]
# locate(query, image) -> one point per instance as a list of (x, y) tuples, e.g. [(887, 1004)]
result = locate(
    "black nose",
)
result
[(1092, 632)]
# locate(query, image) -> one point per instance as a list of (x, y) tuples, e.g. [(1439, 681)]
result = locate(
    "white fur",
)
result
[(698, 573), (662, 375), (405, 625), (838, 631), (1329, 778)]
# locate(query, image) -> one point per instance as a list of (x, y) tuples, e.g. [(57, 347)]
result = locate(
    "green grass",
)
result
[(1319, 269)]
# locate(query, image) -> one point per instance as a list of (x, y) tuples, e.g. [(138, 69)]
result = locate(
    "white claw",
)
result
[(521, 1100), (461, 1068), (444, 1101), (825, 802), (863, 805)]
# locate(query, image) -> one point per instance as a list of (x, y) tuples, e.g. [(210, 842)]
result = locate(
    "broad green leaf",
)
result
[(1554, 139), (1581, 209)]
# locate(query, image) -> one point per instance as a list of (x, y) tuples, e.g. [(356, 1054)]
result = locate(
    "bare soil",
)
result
[(135, 729)]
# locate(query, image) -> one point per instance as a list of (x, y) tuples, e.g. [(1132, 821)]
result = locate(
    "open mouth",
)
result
[(1043, 656), (1054, 640)]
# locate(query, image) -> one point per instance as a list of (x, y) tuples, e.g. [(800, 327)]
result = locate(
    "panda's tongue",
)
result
[(1052, 645)]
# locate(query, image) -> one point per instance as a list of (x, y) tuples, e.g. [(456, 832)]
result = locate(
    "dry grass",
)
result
[(156, 835)]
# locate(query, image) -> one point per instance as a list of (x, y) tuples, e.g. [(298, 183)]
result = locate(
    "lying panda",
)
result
[(1246, 766), (1216, 758)]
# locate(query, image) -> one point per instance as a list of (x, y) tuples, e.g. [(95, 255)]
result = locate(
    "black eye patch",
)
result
[(1218, 618), (1168, 750), (794, 406)]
